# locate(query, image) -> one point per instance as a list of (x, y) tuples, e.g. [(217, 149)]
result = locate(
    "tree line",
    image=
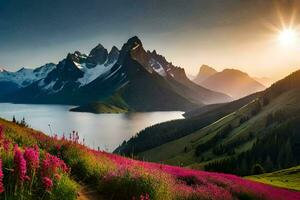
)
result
[(22, 122), (280, 148)]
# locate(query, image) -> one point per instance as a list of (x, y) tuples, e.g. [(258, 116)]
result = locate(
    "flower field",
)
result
[(35, 166), (28, 172)]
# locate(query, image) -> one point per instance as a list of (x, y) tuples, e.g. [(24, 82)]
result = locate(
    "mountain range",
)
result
[(233, 82), (204, 72), (266, 81), (12, 81), (130, 79)]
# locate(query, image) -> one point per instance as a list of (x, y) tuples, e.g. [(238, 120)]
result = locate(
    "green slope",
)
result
[(232, 143), (114, 104), (173, 152), (165, 132), (286, 178)]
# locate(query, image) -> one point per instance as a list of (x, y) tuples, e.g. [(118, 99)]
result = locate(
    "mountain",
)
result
[(130, 79), (12, 81), (66, 82), (233, 82), (152, 83), (204, 72), (155, 85), (263, 130), (264, 80)]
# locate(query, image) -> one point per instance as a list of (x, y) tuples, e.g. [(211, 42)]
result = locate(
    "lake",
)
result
[(106, 131)]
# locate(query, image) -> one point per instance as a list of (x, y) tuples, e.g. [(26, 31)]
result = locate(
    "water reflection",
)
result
[(104, 130)]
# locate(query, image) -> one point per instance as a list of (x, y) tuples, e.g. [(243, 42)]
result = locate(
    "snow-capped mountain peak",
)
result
[(26, 76), (2, 70), (80, 78), (79, 69)]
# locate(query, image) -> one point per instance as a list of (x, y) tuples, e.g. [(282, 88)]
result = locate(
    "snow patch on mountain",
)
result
[(157, 67), (91, 74), (46, 86), (113, 73), (49, 88), (78, 65), (135, 47), (25, 76)]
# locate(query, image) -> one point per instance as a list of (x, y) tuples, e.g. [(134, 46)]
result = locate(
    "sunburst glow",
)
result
[(287, 36)]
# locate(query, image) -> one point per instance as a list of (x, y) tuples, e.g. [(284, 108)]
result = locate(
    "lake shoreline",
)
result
[(106, 131)]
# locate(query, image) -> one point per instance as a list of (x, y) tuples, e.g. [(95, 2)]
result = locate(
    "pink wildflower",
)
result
[(57, 147), (32, 159), (1, 132), (36, 147), (146, 197), (64, 167), (6, 145), (1, 178), (48, 183), (52, 164), (20, 164)]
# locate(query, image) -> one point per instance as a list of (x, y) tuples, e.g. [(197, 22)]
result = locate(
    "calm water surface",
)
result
[(106, 131)]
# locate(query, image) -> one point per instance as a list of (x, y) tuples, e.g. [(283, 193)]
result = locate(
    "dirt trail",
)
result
[(88, 193)]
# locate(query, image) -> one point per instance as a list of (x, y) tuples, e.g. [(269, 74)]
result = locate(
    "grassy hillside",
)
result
[(30, 171), (199, 148), (162, 133), (113, 176), (114, 104), (185, 155), (286, 178), (99, 108), (243, 138)]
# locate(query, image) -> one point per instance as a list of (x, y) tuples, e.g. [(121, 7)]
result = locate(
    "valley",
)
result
[(264, 130)]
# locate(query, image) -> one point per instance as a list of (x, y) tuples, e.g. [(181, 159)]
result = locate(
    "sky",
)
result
[(223, 34)]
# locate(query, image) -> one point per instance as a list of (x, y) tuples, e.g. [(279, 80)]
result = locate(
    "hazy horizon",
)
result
[(232, 34)]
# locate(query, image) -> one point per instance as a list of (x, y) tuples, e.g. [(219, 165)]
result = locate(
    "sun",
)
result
[(287, 36)]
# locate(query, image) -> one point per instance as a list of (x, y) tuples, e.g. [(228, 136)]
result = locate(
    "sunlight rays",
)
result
[(286, 30), (287, 36)]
